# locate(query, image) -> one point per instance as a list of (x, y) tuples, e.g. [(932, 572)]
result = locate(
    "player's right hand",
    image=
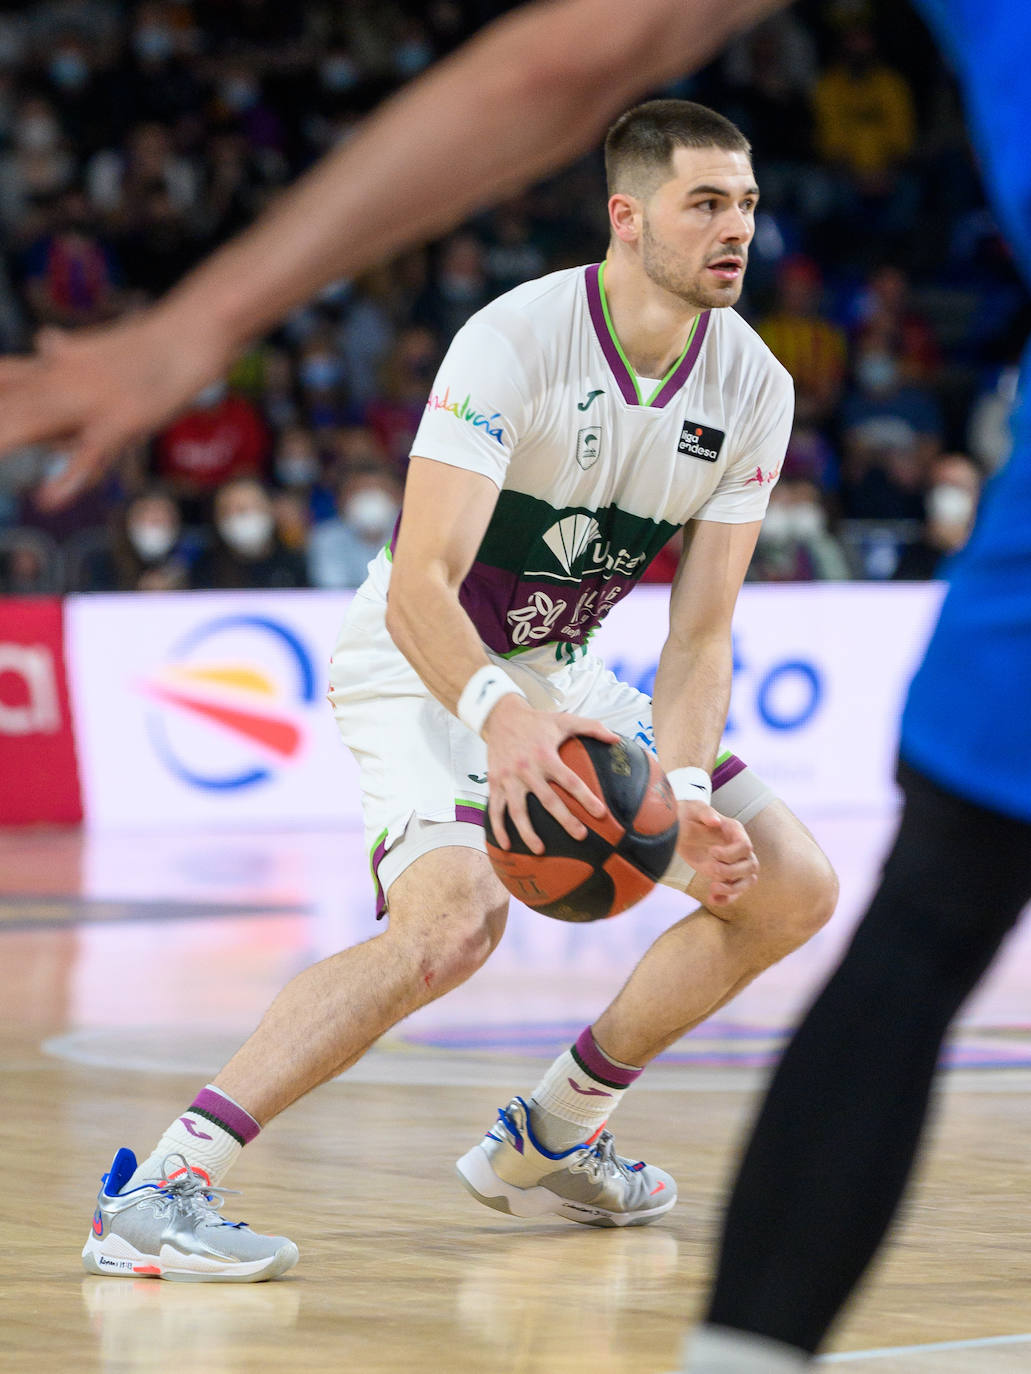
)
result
[(522, 757), (720, 851), (96, 391)]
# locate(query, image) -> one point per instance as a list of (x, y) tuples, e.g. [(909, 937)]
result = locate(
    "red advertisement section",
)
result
[(39, 776)]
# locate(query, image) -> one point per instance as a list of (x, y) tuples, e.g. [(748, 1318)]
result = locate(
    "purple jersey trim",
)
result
[(617, 366), (687, 362)]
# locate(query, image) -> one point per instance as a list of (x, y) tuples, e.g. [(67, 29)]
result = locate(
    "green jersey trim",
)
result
[(626, 361)]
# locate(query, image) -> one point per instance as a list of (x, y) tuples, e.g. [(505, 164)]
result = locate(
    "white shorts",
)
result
[(423, 773)]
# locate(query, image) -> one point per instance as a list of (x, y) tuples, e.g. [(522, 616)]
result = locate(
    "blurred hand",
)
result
[(98, 390), (719, 849), (522, 757)]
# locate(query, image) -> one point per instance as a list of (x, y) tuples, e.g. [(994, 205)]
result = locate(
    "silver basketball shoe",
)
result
[(173, 1230), (510, 1171)]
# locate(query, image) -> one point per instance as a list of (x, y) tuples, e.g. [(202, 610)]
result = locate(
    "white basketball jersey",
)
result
[(594, 476)]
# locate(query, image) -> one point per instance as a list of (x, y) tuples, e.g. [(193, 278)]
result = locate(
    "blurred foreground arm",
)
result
[(527, 95)]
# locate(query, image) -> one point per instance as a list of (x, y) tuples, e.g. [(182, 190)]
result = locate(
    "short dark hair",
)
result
[(639, 146)]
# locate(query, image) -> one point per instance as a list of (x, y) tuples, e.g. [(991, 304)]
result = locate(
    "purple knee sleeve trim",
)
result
[(728, 769), (593, 1062), (214, 1107)]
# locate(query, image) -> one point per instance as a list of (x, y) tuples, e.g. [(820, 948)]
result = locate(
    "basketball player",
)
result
[(574, 425), (449, 143)]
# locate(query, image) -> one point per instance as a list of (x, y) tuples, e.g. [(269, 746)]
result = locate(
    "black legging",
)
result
[(837, 1136)]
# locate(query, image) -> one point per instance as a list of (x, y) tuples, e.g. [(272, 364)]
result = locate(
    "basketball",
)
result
[(624, 853)]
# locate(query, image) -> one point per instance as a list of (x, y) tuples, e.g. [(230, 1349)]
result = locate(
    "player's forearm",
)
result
[(524, 97), (428, 624), (690, 701)]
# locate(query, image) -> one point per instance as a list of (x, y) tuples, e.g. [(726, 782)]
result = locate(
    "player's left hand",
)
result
[(719, 849)]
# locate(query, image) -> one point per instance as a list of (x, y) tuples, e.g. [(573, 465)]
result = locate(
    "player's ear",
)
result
[(625, 213)]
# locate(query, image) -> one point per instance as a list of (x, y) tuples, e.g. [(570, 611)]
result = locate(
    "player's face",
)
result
[(696, 228)]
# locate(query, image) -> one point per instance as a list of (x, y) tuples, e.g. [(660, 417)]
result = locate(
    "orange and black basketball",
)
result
[(624, 853)]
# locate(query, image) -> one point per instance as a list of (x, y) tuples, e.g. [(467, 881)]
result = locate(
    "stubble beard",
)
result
[(663, 267)]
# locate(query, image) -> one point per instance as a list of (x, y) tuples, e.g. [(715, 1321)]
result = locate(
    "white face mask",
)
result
[(37, 133), (784, 524), (776, 526), (296, 469), (371, 514), (877, 372), (247, 532), (210, 396), (949, 505), (151, 541), (809, 521)]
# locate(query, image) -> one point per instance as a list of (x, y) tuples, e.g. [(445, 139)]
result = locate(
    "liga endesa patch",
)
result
[(699, 441)]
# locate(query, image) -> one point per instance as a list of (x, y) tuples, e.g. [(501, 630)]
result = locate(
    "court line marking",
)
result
[(934, 1348), (399, 1063)]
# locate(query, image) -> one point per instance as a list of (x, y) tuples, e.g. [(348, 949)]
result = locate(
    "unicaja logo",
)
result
[(570, 539), (465, 410)]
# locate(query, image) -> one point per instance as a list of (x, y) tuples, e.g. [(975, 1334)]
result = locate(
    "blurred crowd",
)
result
[(134, 138)]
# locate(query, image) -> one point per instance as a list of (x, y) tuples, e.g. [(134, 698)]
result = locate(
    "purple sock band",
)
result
[(599, 1066), (212, 1106)]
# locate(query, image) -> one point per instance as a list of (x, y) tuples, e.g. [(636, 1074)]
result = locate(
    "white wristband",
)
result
[(691, 784), (481, 694)]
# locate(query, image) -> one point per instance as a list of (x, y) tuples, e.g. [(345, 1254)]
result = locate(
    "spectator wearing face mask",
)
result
[(277, 391), (406, 378), (461, 287), (221, 437), (146, 553), (951, 503), (160, 82), (248, 551), (37, 166), (122, 181), (70, 78), (297, 468), (794, 542), (320, 373), (339, 551), (891, 432)]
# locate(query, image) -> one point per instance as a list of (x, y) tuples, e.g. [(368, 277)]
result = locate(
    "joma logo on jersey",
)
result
[(699, 441), (464, 410)]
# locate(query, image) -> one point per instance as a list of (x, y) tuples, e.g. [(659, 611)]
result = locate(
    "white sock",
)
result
[(209, 1135), (719, 1350), (578, 1094)]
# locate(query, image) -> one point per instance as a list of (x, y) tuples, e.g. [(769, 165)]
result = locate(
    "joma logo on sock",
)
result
[(587, 1092), (191, 1126)]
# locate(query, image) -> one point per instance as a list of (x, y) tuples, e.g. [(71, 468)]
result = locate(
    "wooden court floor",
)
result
[(131, 967)]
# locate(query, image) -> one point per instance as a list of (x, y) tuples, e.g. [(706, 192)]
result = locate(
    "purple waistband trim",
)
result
[(592, 1061), (215, 1107), (728, 769), (375, 860), (473, 814)]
